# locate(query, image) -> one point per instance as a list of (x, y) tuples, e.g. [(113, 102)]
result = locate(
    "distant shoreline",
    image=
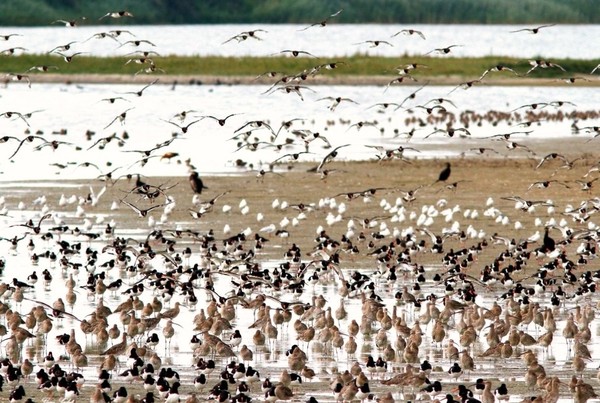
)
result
[(319, 80)]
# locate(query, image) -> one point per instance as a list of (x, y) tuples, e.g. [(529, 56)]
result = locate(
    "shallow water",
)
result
[(322, 359), (211, 148), (334, 40)]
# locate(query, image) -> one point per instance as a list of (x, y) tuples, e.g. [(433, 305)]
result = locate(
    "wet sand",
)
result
[(476, 179), (318, 80)]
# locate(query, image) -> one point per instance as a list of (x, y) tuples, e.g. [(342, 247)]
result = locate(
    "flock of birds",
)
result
[(429, 307)]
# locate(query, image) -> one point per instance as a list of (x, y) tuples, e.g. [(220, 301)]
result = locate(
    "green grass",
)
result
[(358, 65)]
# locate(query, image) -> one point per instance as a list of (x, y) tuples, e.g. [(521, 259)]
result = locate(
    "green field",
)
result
[(359, 65)]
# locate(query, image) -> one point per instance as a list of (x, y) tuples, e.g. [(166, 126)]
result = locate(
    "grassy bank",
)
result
[(469, 68)]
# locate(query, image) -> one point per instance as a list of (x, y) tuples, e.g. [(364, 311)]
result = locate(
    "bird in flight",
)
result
[(69, 23), (184, 129), (544, 64), (18, 77), (498, 67), (69, 58), (443, 51), (324, 22), (221, 121), (336, 101), (116, 14), (374, 43), (136, 42), (140, 92), (7, 37), (330, 156), (144, 212), (28, 139), (409, 32), (120, 117), (296, 53), (11, 51), (245, 35), (533, 30)]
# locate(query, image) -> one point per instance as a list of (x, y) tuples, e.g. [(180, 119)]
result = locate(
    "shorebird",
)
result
[(220, 121), (533, 30), (6, 37), (42, 68), (63, 48), (141, 91), (544, 64), (245, 35), (324, 22), (12, 51), (374, 43), (136, 42), (69, 58), (409, 31), (465, 85), (337, 101), (196, 183), (117, 14), (18, 77), (69, 23), (296, 53), (443, 51), (144, 212), (444, 174), (184, 129), (498, 67), (120, 117)]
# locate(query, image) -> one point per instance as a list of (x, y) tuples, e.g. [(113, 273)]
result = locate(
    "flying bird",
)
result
[(409, 32), (120, 117), (374, 43), (443, 51), (116, 14), (140, 92), (297, 53), (221, 121), (330, 156), (533, 30), (144, 212), (245, 35), (69, 23), (184, 129), (324, 22)]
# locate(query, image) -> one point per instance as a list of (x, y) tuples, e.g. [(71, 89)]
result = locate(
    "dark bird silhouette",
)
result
[(36, 228), (533, 30), (144, 212), (196, 183), (444, 175), (219, 120), (140, 92), (549, 243), (442, 51), (184, 129)]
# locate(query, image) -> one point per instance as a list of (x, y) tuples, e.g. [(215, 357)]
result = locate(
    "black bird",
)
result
[(196, 183), (17, 394), (444, 175), (549, 243)]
